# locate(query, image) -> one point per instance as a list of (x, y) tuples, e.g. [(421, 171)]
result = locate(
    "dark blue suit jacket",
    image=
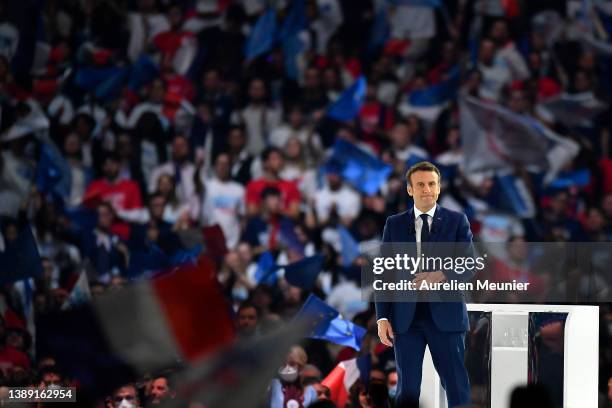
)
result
[(447, 226)]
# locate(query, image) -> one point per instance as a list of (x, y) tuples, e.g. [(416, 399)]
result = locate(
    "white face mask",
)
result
[(125, 404), (288, 373)]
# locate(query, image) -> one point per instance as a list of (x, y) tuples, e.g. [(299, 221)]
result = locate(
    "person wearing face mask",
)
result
[(51, 378), (287, 391), (125, 396), (392, 383)]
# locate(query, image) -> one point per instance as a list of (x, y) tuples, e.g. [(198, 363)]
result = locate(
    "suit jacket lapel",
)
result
[(436, 225), (410, 229)]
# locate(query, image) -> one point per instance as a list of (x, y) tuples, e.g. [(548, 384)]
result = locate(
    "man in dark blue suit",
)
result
[(409, 326)]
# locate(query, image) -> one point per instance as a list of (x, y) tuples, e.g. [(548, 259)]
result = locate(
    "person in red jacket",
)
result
[(121, 194)]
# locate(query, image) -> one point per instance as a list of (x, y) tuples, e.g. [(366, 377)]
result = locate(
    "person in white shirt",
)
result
[(224, 201), (402, 142), (337, 197), (295, 127), (495, 71), (144, 25), (180, 169), (507, 51), (16, 170), (258, 118)]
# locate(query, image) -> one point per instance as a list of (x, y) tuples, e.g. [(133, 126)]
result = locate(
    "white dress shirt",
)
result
[(418, 225)]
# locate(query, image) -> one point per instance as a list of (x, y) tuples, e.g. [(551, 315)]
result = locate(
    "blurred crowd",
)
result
[(169, 122)]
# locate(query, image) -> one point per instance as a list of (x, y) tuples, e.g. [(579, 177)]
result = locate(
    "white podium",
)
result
[(509, 364)]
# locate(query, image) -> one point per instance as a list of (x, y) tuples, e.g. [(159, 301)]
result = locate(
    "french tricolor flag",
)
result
[(343, 376), (174, 319)]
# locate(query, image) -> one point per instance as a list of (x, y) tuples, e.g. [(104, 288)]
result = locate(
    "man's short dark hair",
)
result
[(166, 375), (246, 305), (423, 166), (268, 151), (270, 191)]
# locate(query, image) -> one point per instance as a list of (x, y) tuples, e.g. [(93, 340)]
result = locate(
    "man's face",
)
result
[(156, 207), (487, 52), (180, 149), (274, 163), (222, 167), (105, 218), (125, 396), (400, 136), (247, 320), (51, 378), (211, 81), (111, 169), (159, 390), (272, 203), (392, 379), (424, 188), (321, 391), (236, 140), (257, 90), (312, 80)]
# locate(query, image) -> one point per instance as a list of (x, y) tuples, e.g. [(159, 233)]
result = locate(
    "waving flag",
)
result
[(19, 258), (429, 102), (494, 137), (52, 171), (266, 269), (512, 195), (439, 93), (145, 327), (359, 168), (350, 247), (574, 109), (343, 376), (350, 101), (380, 31), (295, 21), (80, 293), (304, 272), (577, 178), (237, 376), (262, 37), (325, 323)]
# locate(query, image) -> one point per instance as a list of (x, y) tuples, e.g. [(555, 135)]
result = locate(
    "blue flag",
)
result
[(350, 101), (304, 272), (111, 88), (266, 269), (152, 261), (288, 236), (578, 178), (143, 72), (183, 256), (262, 37), (292, 47), (147, 262), (316, 314), (439, 93), (325, 323), (380, 31), (19, 259), (105, 83), (359, 168), (295, 21), (52, 172), (350, 247), (509, 193), (343, 332)]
